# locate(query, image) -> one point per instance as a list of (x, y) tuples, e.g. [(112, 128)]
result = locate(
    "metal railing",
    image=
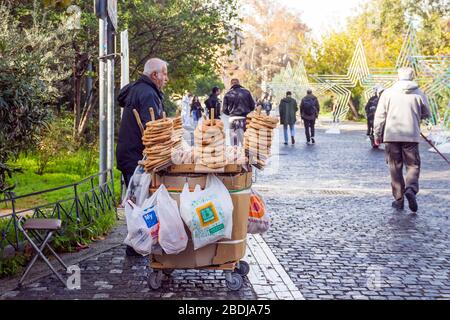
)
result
[(89, 199)]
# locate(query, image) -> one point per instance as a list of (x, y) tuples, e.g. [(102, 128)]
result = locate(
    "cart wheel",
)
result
[(235, 281), (168, 272), (243, 268), (155, 280)]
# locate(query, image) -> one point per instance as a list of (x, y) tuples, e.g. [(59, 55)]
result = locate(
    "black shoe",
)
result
[(285, 143), (398, 205), (411, 196), (308, 142), (292, 140), (312, 141)]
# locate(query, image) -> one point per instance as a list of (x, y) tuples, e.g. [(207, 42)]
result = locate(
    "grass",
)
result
[(66, 170)]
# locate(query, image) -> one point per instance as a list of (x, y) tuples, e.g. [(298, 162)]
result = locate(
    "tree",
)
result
[(189, 34), (29, 71), (272, 37)]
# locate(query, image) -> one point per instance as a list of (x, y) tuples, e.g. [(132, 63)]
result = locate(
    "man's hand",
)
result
[(377, 142)]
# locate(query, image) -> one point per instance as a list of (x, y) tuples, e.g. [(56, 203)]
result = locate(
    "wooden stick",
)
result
[(211, 113), (434, 147), (138, 120), (152, 114), (177, 114), (164, 114)]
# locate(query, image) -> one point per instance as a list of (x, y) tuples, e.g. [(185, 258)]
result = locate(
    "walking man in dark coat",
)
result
[(309, 111), (237, 103), (288, 109)]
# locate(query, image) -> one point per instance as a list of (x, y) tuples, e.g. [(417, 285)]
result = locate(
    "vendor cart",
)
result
[(223, 255)]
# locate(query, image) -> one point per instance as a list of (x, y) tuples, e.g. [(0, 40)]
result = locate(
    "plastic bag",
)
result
[(142, 226), (172, 235), (208, 213), (258, 217), (138, 188)]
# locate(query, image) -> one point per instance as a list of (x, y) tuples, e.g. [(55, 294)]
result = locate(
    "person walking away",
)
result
[(237, 104), (141, 95), (400, 111), (370, 108), (196, 110), (213, 102), (267, 104), (309, 111), (288, 109)]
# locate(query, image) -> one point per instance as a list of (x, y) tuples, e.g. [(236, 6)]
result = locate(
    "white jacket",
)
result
[(400, 111)]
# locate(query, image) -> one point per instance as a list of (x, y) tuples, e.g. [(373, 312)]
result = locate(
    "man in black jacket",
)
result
[(309, 111), (371, 108), (213, 102), (237, 103), (140, 95)]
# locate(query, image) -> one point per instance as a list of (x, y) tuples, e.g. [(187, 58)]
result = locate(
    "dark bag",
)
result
[(309, 107)]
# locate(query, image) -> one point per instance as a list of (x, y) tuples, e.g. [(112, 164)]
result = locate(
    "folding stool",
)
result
[(32, 228)]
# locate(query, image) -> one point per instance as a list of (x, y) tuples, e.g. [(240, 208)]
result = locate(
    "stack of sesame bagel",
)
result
[(177, 132), (209, 138), (158, 143), (258, 137)]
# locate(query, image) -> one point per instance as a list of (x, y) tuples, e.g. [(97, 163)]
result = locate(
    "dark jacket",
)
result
[(196, 108), (213, 102), (139, 95), (309, 99), (288, 109), (238, 102), (371, 107)]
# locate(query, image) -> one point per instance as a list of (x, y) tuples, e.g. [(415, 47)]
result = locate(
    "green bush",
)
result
[(12, 266)]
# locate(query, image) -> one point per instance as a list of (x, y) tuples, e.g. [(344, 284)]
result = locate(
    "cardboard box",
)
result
[(216, 253), (176, 182)]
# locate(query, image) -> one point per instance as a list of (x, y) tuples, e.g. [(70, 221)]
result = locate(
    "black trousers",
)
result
[(370, 122), (309, 128)]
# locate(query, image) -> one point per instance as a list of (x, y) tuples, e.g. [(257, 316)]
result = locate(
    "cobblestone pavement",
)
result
[(334, 236), (335, 233)]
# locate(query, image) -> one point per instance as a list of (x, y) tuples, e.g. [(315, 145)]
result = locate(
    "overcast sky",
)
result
[(323, 15)]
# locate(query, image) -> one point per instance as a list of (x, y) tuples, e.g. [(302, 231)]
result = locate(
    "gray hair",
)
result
[(154, 65), (406, 73)]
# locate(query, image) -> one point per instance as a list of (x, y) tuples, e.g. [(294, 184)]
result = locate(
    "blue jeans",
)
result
[(285, 129)]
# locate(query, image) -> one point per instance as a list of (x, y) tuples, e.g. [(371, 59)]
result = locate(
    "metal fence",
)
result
[(90, 198)]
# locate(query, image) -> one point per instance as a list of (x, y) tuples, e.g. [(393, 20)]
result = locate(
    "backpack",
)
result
[(309, 107)]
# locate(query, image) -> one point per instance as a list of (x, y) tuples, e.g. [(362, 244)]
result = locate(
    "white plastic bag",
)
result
[(258, 217), (208, 213), (142, 226), (138, 188), (172, 235)]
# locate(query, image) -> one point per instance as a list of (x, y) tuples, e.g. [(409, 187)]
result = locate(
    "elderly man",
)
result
[(141, 95), (397, 124)]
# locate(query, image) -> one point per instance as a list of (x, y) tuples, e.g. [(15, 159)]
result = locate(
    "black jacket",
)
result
[(371, 107), (213, 102), (309, 100), (139, 95), (238, 102)]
